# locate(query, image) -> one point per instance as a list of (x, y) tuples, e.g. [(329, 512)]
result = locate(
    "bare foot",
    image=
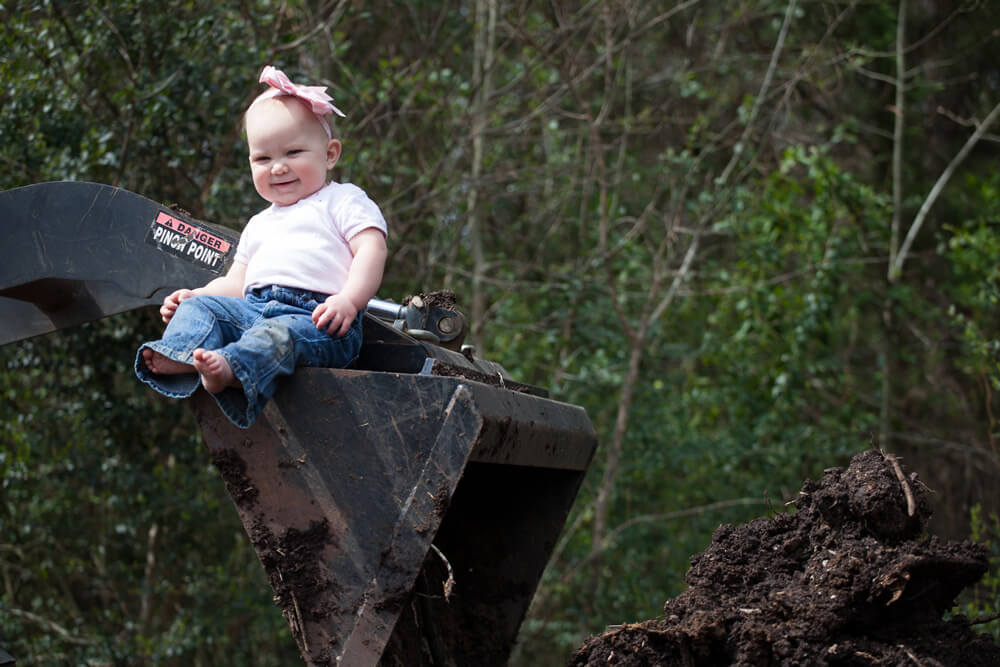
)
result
[(164, 365), (216, 373)]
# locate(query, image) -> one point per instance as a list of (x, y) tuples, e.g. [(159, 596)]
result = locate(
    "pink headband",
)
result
[(315, 97)]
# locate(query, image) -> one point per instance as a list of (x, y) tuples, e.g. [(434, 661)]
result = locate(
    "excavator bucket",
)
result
[(403, 509), (402, 517)]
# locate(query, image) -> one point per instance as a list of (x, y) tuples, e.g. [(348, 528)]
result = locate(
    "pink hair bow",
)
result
[(319, 102)]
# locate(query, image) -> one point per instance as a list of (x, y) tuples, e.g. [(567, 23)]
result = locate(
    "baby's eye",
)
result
[(260, 159), (295, 151)]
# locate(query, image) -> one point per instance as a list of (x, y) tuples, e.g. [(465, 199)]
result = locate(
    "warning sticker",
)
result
[(206, 248)]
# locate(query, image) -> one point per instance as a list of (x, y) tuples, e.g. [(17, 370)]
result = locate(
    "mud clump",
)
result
[(233, 470), (444, 299), (847, 579), (302, 589), (292, 562)]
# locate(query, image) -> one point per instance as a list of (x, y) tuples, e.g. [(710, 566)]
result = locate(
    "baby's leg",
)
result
[(200, 323), (216, 373), (164, 365)]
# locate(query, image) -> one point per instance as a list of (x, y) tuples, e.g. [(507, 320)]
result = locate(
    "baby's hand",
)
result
[(335, 315), (170, 303)]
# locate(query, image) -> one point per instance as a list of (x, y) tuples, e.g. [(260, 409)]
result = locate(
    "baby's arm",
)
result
[(336, 314), (230, 284)]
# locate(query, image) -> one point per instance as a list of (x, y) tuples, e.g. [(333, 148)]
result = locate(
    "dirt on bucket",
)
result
[(849, 578)]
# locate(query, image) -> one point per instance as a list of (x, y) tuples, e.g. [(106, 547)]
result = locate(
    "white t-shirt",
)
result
[(306, 245)]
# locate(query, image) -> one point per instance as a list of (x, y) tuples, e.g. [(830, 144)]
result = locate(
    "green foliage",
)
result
[(971, 249), (745, 407), (119, 543), (783, 339), (984, 599), (613, 140)]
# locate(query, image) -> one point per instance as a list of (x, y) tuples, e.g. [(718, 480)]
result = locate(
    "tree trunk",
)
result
[(484, 51)]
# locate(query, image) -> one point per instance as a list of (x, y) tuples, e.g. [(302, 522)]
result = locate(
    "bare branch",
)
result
[(761, 95), (679, 277), (896, 269), (678, 514), (609, 540), (966, 122), (897, 135), (963, 9), (322, 26), (65, 634)]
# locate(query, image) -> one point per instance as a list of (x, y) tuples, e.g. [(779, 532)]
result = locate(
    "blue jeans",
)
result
[(263, 336)]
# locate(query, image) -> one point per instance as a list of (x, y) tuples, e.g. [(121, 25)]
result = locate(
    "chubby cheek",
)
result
[(260, 181), (315, 178)]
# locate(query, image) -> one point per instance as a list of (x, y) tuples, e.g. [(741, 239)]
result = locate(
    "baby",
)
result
[(304, 270)]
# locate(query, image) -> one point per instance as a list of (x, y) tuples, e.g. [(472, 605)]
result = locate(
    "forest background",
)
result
[(751, 238)]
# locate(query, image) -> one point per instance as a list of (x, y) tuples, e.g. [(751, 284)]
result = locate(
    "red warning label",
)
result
[(188, 241)]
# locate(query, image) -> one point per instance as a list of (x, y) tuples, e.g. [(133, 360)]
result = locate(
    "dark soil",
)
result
[(444, 299), (444, 369), (291, 559), (233, 470), (301, 589), (849, 578)]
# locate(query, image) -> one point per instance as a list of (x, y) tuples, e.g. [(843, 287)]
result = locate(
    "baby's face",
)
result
[(289, 150)]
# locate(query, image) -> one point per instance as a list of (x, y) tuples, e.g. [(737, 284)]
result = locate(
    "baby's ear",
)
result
[(332, 153)]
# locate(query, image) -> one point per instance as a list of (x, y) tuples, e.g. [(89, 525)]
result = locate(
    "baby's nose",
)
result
[(279, 167)]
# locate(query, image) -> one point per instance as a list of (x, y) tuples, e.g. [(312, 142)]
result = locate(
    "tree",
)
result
[(679, 216)]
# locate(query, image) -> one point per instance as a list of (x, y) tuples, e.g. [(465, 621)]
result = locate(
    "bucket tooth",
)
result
[(369, 493)]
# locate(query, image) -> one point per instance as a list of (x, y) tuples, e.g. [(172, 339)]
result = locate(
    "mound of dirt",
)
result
[(847, 579)]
